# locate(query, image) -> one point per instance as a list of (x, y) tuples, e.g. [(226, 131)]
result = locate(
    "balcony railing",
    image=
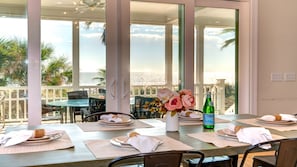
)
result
[(14, 105)]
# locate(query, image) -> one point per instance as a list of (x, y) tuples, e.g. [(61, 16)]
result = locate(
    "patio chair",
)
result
[(45, 109), (157, 159), (96, 116), (96, 105), (285, 154), (78, 94), (141, 108)]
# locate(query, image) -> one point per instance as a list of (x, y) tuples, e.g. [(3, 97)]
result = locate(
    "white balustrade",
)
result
[(14, 105)]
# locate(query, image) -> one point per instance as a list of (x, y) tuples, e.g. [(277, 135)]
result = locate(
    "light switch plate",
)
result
[(277, 77), (290, 76)]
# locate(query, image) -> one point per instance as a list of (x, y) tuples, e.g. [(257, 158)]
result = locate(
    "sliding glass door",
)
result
[(154, 47), (216, 57)]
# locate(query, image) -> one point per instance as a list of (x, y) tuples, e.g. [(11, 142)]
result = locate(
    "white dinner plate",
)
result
[(227, 133), (43, 140), (276, 122), (127, 122), (185, 118)]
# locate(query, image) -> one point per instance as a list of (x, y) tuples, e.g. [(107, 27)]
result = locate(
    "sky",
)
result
[(147, 46)]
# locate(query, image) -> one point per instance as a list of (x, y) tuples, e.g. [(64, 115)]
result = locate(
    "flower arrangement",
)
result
[(169, 100)]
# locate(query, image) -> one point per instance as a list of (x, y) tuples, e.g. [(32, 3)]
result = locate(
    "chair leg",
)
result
[(234, 159)]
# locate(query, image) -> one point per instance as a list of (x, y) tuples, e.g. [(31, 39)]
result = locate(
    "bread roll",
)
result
[(188, 113), (38, 133), (237, 128), (132, 134), (278, 117)]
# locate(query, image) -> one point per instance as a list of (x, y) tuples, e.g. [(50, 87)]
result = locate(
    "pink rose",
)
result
[(174, 103), (186, 92), (164, 94), (188, 101)]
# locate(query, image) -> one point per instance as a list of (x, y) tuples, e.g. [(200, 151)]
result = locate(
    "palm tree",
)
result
[(14, 65), (101, 77), (13, 61), (57, 72), (229, 41)]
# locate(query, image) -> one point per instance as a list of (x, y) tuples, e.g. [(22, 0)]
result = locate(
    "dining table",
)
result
[(89, 142), (67, 106)]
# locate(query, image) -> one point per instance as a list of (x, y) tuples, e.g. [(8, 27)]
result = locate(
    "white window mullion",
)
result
[(75, 55), (34, 72), (118, 56)]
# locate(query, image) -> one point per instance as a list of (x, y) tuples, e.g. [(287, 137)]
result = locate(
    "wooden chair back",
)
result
[(287, 153)]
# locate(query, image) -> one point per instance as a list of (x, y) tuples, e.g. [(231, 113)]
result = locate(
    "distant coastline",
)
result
[(146, 78)]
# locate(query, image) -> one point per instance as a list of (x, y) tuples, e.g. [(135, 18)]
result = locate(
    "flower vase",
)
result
[(172, 123)]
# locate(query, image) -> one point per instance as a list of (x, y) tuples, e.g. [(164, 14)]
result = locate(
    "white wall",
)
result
[(277, 53)]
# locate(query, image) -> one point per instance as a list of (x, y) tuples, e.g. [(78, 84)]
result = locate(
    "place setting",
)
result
[(142, 143), (33, 140), (190, 117), (236, 136), (280, 122), (113, 122), (278, 119), (132, 143)]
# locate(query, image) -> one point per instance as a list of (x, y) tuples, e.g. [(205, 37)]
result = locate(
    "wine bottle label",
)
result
[(208, 119)]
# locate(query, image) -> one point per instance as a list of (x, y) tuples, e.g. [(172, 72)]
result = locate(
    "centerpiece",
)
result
[(170, 103)]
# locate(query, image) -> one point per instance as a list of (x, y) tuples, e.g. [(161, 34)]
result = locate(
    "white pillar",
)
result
[(220, 85), (34, 71)]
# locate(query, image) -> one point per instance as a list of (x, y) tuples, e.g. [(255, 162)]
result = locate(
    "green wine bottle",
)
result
[(208, 112)]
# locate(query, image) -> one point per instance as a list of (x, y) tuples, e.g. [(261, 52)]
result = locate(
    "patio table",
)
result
[(66, 104)]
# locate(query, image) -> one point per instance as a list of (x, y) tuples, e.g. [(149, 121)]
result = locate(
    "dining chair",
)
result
[(97, 116), (77, 94), (157, 159), (285, 154)]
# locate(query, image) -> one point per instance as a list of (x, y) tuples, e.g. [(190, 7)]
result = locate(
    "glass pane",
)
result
[(56, 52), (73, 54), (215, 67), (154, 47), (92, 54), (13, 60)]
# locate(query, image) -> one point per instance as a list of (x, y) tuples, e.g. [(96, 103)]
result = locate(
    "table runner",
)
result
[(95, 126), (212, 137), (269, 126), (111, 151), (61, 143)]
